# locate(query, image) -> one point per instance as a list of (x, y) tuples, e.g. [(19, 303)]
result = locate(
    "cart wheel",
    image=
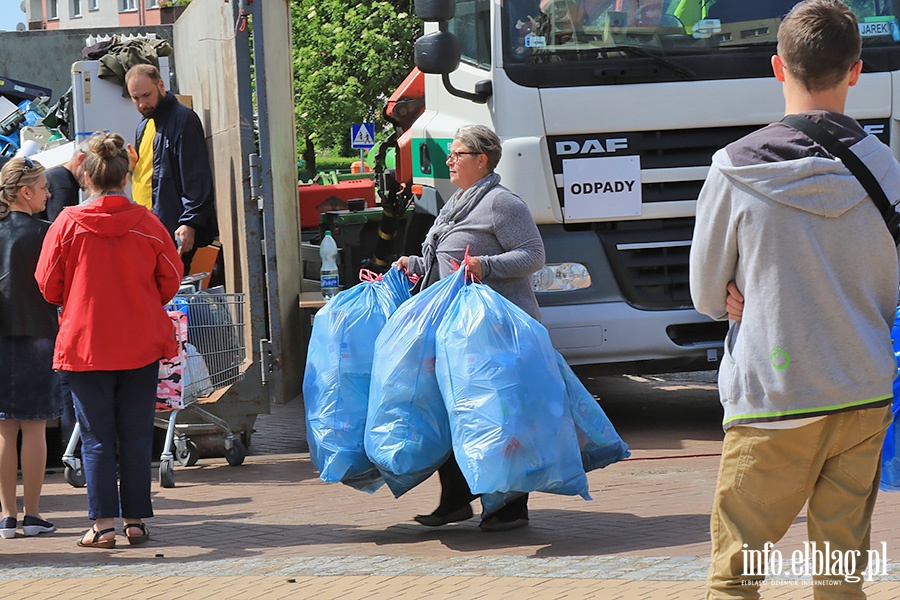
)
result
[(236, 454), (75, 477), (166, 474), (189, 455)]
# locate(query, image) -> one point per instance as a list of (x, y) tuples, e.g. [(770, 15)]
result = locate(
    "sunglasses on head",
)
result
[(29, 165)]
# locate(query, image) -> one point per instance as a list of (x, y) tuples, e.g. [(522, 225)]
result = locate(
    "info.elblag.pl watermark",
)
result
[(815, 560)]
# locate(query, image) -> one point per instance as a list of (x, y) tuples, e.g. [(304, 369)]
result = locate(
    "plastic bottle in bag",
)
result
[(328, 275)]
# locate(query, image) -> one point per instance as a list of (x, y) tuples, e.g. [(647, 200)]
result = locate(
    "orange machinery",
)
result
[(318, 199)]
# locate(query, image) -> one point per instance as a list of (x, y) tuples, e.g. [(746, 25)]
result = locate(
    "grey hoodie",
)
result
[(816, 265)]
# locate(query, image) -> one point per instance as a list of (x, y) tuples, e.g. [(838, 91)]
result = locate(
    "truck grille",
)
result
[(653, 275), (666, 149), (660, 150), (650, 258)]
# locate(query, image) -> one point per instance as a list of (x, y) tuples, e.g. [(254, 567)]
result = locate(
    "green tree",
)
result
[(349, 56)]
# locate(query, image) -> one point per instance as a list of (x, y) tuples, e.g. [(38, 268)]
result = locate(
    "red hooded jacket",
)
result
[(112, 266)]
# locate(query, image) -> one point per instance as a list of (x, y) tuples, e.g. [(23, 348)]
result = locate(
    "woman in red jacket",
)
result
[(112, 266)]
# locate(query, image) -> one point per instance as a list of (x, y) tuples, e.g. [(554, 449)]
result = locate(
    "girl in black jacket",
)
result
[(28, 325)]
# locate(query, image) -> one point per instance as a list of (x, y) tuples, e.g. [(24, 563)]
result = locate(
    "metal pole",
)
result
[(264, 202)]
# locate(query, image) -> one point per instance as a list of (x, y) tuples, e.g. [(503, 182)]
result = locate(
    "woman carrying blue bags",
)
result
[(505, 248)]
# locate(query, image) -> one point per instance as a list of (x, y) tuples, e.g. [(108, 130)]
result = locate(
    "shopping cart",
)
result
[(211, 357)]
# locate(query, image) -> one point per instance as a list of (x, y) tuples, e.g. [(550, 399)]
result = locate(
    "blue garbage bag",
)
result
[(890, 462), (337, 378), (511, 427), (598, 440), (408, 433), (397, 284)]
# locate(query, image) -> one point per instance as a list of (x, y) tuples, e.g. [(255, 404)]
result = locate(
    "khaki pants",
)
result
[(765, 477)]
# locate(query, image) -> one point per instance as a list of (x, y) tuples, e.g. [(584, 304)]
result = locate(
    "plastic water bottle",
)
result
[(328, 276)]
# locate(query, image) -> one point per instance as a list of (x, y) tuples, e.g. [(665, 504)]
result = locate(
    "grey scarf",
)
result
[(457, 208)]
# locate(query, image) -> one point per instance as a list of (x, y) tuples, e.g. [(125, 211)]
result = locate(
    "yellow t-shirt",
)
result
[(142, 178)]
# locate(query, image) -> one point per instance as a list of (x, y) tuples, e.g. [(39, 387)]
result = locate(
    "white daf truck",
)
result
[(609, 112)]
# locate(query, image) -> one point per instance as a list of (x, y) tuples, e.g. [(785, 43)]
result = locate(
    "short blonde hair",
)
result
[(16, 174)]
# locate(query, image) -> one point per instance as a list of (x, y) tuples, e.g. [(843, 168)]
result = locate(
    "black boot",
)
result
[(456, 497), (512, 515)]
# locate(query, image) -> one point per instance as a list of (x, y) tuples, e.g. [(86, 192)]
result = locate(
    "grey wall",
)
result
[(45, 58)]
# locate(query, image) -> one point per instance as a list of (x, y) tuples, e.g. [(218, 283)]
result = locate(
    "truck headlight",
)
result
[(561, 278)]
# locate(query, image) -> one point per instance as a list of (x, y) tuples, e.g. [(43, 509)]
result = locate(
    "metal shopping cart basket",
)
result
[(211, 355)]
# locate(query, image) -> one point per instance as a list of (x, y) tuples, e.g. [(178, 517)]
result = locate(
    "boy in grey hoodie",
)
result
[(806, 379)]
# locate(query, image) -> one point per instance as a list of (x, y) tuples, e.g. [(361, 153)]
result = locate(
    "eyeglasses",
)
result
[(454, 156), (29, 165)]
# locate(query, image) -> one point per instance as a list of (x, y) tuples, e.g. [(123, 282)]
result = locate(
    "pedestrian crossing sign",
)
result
[(362, 136)]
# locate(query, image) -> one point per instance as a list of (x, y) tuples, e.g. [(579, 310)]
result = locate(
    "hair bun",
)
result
[(106, 145)]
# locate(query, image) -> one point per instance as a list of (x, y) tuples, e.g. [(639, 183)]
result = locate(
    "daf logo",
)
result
[(607, 146), (874, 129)]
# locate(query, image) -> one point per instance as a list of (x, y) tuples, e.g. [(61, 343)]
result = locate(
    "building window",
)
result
[(152, 3), (93, 4), (52, 9), (126, 5), (76, 8)]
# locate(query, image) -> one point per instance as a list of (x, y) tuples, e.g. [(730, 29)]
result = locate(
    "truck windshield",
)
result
[(625, 41)]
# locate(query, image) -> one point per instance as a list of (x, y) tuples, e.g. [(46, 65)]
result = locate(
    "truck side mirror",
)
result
[(435, 10), (437, 53)]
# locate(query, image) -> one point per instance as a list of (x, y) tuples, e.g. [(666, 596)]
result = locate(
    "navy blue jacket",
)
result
[(182, 177)]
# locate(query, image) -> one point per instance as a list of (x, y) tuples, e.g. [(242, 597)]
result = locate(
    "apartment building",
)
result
[(78, 14)]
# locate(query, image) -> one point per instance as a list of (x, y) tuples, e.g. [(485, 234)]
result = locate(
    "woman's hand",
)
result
[(475, 268), (402, 263)]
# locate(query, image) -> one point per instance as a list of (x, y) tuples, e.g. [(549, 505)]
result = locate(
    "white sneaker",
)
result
[(34, 526), (8, 528)]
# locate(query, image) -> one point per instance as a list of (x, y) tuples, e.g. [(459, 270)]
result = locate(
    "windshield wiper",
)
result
[(746, 44), (644, 53)]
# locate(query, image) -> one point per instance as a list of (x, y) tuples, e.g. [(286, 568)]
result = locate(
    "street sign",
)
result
[(362, 136)]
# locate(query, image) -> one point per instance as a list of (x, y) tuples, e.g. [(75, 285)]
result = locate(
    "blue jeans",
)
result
[(67, 419), (116, 407)]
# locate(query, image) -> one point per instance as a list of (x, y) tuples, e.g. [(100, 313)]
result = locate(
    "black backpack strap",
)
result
[(859, 169)]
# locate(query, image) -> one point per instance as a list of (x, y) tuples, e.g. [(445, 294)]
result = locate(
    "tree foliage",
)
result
[(349, 56)]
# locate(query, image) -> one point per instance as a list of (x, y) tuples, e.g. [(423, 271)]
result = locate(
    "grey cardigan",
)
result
[(501, 232)]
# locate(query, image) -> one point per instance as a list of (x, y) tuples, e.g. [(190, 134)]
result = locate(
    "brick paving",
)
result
[(272, 529)]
